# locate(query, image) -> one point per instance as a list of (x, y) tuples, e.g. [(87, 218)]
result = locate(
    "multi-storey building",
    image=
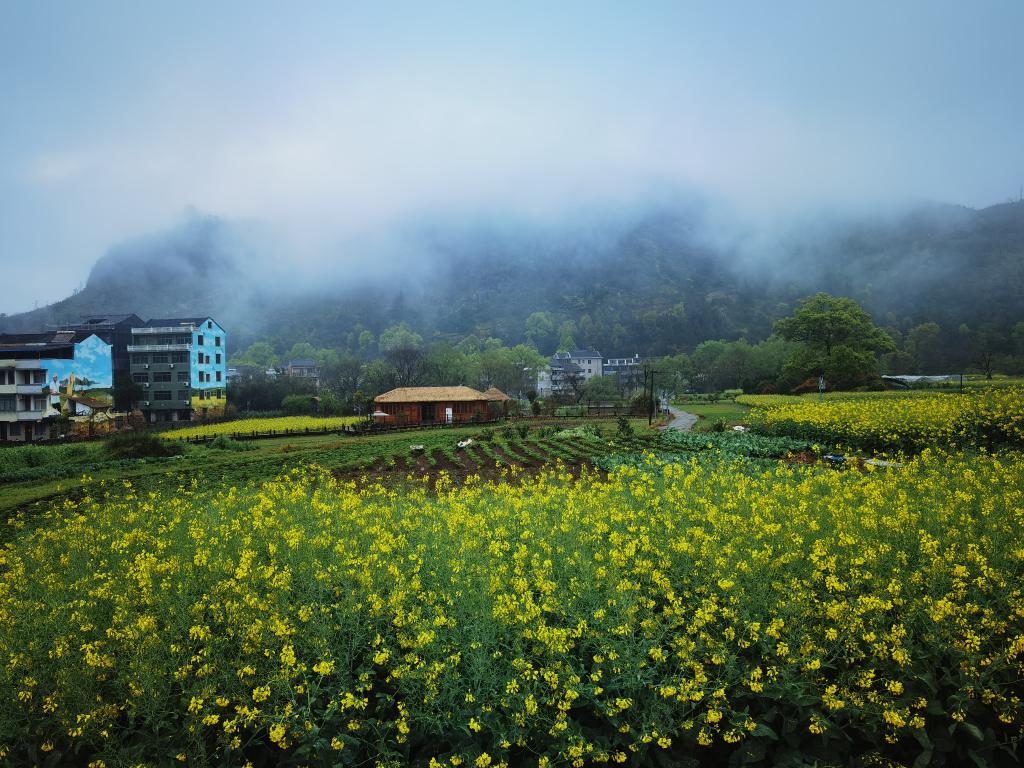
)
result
[(181, 366), (115, 330), (44, 375), (630, 371), (568, 372)]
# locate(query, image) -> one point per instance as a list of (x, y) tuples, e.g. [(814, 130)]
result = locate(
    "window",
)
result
[(183, 394), (209, 325), (218, 358), (159, 358), (15, 430), (216, 341), (220, 393), (140, 359), (183, 376), (179, 357), (218, 374), (182, 339), (161, 395), (38, 403), (162, 377), (140, 378), (201, 342), (38, 377), (7, 377), (6, 402)]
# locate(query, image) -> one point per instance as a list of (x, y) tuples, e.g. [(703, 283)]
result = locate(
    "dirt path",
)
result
[(681, 420)]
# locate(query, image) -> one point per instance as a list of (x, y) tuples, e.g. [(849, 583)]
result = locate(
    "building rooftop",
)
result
[(104, 320), (430, 394), (303, 363), (36, 342), (585, 353), (494, 393), (169, 321)]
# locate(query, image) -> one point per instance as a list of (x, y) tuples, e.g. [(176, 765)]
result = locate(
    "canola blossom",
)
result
[(672, 609), (262, 426), (904, 422)]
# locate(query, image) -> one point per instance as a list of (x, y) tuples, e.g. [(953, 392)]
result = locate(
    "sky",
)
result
[(323, 121)]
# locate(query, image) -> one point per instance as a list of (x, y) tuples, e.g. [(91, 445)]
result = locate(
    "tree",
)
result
[(838, 340), (987, 341), (924, 344), (674, 373), (404, 350), (259, 355), (540, 328), (567, 336), (601, 388)]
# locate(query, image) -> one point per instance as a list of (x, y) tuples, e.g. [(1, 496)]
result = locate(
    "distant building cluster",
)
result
[(568, 372), (99, 373)]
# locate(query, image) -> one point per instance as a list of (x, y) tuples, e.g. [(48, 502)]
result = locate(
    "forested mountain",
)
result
[(653, 284)]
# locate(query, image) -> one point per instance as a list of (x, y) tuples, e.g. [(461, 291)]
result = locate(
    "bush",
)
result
[(535, 407), (625, 428), (139, 445), (299, 405), (225, 443), (523, 430)]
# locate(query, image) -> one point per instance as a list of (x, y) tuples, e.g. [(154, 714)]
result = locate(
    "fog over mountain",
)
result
[(300, 174), (657, 281)]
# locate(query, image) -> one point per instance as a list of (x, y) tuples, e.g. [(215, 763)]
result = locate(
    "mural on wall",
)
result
[(211, 406), (90, 374)]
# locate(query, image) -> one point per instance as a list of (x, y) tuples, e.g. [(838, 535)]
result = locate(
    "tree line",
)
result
[(825, 336)]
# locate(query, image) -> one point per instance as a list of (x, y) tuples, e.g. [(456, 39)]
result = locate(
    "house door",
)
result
[(3, 432), (28, 433), (448, 416), (428, 413)]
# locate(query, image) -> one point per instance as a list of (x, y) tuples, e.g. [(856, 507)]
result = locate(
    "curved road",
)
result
[(680, 420)]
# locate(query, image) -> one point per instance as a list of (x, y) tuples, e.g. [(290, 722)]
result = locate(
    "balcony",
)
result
[(30, 415), (29, 389), (159, 347), (164, 330)]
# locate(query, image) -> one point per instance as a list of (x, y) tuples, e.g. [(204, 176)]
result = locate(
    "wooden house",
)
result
[(498, 403), (431, 405)]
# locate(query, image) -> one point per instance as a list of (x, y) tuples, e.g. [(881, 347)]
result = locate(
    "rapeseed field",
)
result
[(895, 421), (280, 424), (657, 615)]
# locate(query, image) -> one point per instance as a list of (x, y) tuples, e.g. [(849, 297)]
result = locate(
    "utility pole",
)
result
[(650, 402)]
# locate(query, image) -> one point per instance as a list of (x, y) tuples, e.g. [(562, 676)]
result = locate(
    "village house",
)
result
[(431, 405), (304, 369), (498, 403)]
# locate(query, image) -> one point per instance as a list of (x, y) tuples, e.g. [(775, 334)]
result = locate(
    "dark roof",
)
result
[(169, 321), (36, 342), (586, 353), (303, 363), (105, 320)]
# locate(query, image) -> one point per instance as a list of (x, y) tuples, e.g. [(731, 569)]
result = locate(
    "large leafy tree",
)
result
[(837, 339)]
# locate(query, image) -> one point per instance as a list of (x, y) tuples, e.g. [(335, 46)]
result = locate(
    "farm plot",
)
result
[(671, 612)]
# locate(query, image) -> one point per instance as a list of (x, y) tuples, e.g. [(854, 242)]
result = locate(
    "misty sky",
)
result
[(325, 120)]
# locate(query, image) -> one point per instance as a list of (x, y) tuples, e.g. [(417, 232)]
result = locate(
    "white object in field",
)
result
[(465, 443), (739, 428), (417, 448), (883, 463)]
